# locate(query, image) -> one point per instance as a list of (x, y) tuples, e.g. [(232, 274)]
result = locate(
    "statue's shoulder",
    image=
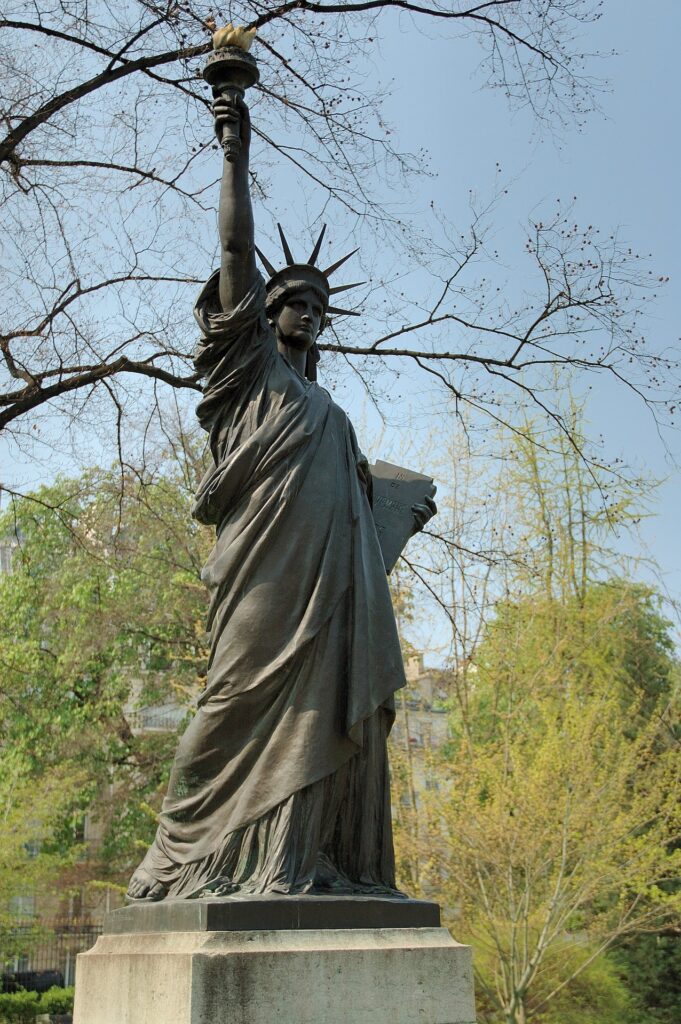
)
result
[(215, 321)]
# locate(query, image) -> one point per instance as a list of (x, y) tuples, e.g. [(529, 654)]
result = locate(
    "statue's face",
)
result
[(299, 320)]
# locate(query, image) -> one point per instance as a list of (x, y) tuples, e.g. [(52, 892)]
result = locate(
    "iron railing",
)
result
[(46, 949)]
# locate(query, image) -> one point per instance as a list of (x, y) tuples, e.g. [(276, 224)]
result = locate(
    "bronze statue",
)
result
[(280, 783)]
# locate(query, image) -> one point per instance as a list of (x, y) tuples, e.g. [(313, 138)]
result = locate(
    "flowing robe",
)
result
[(280, 780)]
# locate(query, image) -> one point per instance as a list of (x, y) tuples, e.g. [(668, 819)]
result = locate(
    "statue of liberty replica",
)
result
[(280, 784), (269, 891)]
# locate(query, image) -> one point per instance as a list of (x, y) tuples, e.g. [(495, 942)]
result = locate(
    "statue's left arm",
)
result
[(422, 513)]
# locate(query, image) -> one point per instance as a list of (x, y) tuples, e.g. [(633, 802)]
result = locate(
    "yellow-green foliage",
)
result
[(549, 824), (597, 995), (560, 797)]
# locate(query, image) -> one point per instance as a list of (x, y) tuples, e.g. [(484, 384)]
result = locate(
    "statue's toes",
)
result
[(135, 888), (144, 887)]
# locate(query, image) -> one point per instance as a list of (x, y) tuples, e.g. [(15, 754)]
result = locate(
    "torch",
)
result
[(230, 70)]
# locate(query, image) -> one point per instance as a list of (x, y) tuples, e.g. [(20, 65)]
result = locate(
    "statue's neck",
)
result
[(296, 357)]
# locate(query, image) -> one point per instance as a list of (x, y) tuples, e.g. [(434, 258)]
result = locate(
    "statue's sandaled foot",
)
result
[(144, 886)]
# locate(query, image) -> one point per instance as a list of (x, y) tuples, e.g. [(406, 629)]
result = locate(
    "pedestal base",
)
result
[(343, 975)]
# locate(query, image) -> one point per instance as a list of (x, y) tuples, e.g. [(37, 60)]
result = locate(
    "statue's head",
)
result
[(298, 299), (298, 316)]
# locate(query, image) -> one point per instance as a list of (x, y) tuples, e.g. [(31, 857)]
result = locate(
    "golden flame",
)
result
[(230, 35)]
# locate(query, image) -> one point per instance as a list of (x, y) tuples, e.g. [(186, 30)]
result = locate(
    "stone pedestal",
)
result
[(146, 970)]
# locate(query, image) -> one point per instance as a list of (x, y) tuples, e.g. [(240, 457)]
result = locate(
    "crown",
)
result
[(298, 276)]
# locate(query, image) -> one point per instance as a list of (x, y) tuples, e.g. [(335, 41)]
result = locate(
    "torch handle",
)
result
[(231, 130)]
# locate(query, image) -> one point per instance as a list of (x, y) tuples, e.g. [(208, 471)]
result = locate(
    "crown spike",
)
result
[(315, 252), (344, 312), (285, 246), (265, 262), (334, 266), (345, 287)]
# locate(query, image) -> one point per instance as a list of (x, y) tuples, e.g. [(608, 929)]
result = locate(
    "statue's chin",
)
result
[(299, 342)]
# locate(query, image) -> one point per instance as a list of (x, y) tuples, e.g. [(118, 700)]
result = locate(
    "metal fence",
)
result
[(164, 718), (47, 948)]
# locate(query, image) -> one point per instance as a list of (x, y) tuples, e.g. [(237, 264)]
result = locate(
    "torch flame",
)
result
[(230, 35)]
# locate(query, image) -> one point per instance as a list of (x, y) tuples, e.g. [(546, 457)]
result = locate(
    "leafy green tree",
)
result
[(552, 836), (102, 617), (559, 797), (32, 811)]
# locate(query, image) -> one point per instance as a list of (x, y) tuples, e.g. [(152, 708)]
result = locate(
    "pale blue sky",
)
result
[(623, 167)]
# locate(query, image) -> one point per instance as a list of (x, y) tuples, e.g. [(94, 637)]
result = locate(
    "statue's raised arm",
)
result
[(235, 218), (230, 70)]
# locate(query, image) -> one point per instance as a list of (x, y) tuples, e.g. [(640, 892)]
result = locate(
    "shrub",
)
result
[(57, 1000), (23, 1007), (19, 1007)]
